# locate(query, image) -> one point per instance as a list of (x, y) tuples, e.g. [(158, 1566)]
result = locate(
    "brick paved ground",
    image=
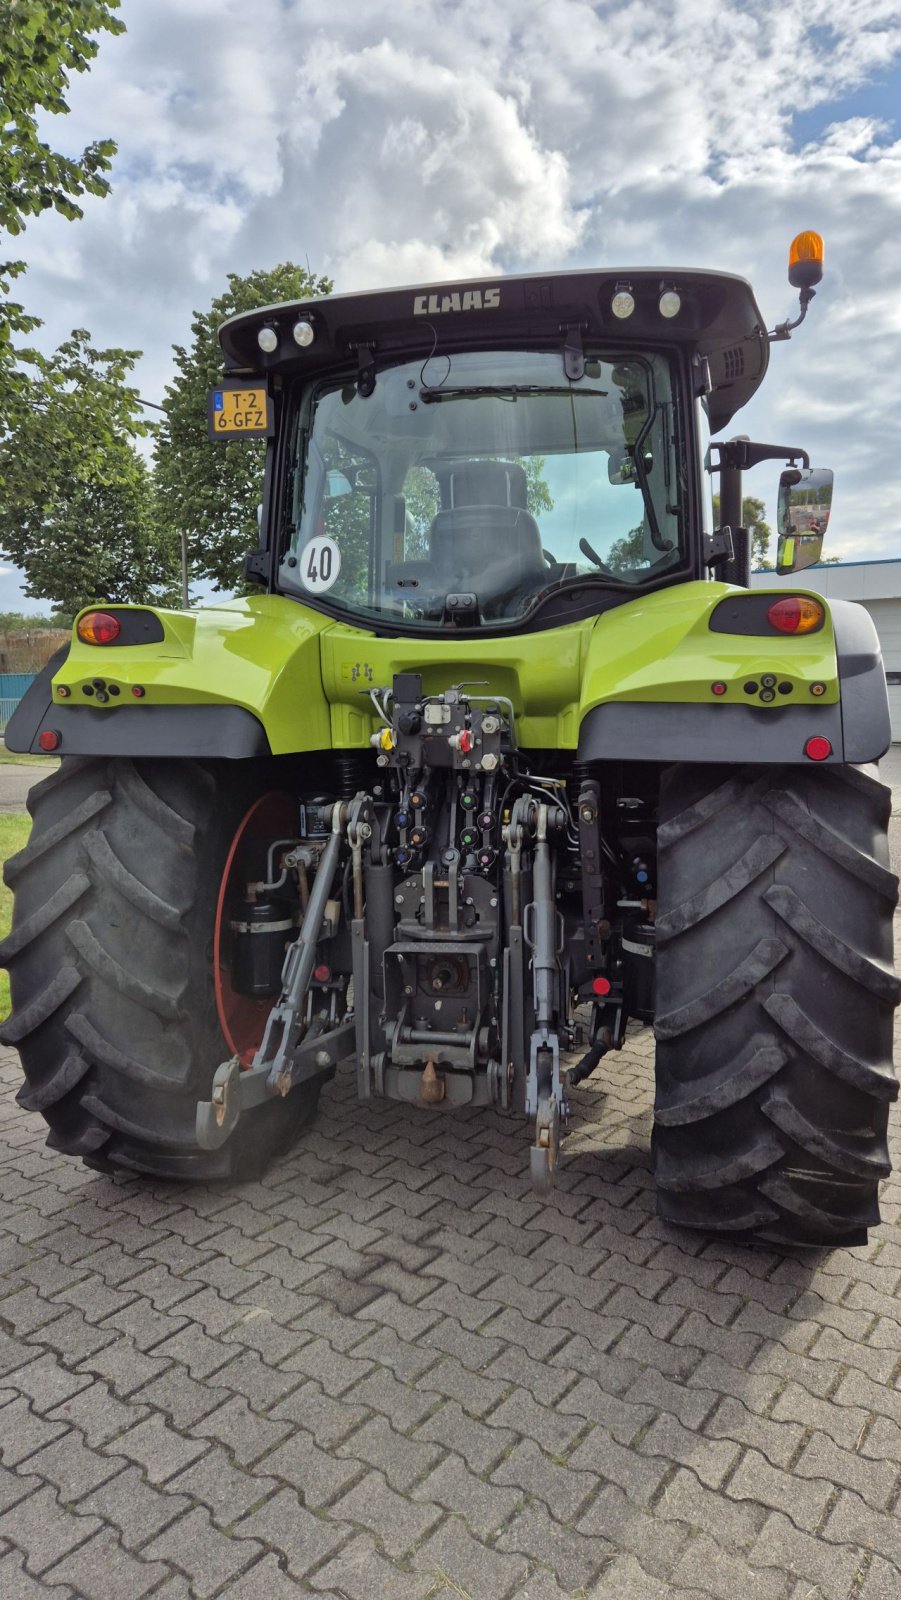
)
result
[(389, 1372)]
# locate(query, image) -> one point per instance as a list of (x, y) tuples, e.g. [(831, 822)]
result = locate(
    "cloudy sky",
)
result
[(401, 141)]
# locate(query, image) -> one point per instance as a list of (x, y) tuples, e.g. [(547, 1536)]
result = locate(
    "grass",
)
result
[(14, 827), (8, 759)]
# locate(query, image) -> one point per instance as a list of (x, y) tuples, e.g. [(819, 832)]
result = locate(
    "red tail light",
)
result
[(98, 627), (818, 749), (796, 614)]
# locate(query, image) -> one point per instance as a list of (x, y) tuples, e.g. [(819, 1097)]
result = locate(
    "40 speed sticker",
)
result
[(320, 563)]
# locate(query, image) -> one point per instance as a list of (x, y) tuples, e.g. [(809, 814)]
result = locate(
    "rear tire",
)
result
[(775, 993), (111, 974)]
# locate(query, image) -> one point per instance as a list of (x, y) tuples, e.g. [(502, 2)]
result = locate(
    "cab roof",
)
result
[(718, 320)]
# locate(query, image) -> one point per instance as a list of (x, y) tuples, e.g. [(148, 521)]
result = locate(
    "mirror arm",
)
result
[(740, 454)]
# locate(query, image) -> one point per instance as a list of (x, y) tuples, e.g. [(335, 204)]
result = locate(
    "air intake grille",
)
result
[(734, 362)]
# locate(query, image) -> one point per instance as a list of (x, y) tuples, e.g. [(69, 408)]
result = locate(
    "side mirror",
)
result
[(802, 517)]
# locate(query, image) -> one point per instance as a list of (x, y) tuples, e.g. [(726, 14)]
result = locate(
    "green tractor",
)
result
[(503, 754)]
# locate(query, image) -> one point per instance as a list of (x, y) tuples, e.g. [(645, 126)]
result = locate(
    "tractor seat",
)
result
[(488, 549)]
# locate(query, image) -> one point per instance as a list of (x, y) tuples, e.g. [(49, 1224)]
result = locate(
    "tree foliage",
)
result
[(76, 509), (41, 43), (211, 490)]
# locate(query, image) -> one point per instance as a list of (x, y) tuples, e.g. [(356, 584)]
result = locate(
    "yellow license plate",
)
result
[(239, 411)]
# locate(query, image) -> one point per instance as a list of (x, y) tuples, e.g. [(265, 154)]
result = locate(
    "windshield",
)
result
[(464, 489)]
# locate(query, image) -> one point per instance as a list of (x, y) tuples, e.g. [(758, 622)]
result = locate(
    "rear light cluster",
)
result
[(98, 627), (796, 613)]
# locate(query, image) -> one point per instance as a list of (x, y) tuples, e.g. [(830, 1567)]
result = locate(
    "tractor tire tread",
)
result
[(775, 994)]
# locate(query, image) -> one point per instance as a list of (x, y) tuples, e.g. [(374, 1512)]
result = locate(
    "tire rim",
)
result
[(242, 1018)]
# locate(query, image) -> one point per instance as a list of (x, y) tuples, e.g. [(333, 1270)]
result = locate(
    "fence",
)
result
[(12, 687)]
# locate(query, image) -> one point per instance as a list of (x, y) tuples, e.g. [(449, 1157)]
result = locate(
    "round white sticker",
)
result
[(320, 563)]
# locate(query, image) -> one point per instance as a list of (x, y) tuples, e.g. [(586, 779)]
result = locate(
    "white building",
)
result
[(876, 585)]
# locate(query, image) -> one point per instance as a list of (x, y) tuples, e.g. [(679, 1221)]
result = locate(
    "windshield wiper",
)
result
[(506, 391)]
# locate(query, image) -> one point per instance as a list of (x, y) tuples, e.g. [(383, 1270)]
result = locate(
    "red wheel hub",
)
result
[(242, 1017)]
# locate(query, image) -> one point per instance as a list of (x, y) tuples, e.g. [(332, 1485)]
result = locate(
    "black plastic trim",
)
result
[(228, 732), (26, 721), (630, 730), (865, 709)]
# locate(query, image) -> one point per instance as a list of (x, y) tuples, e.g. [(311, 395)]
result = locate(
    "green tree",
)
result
[(211, 490), (627, 552), (41, 43), (753, 513), (77, 510)]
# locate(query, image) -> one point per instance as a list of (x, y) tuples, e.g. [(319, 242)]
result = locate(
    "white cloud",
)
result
[(415, 140)]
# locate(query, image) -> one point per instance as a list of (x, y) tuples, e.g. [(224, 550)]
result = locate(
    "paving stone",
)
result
[(359, 1572), (451, 1379), (398, 1523), (259, 1331), (539, 1342), (382, 1392), (843, 1423), (783, 1548), (257, 1382), (27, 1310), (245, 1435), (544, 1382), (318, 1476), (136, 1510), (16, 1584), (333, 1371), (96, 1299), (756, 1480), (46, 1382), (283, 1524), (471, 1345), (588, 1401), (563, 1489), (704, 1565), (613, 1372), (159, 1449), (401, 1459), (161, 1287), (780, 1442), (264, 1581), (575, 1558), (879, 1582), (15, 1486), (852, 1521), (640, 1477), (103, 1570), (23, 1431), (875, 1481), (69, 1465), (44, 1530), (124, 1367), (192, 1349), (207, 1557), (734, 1524), (451, 1554), (409, 1322), (480, 1446), (180, 1396), (407, 1361), (484, 1507), (98, 1414), (226, 1492), (73, 1337), (614, 1518), (328, 1420), (711, 1459)]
